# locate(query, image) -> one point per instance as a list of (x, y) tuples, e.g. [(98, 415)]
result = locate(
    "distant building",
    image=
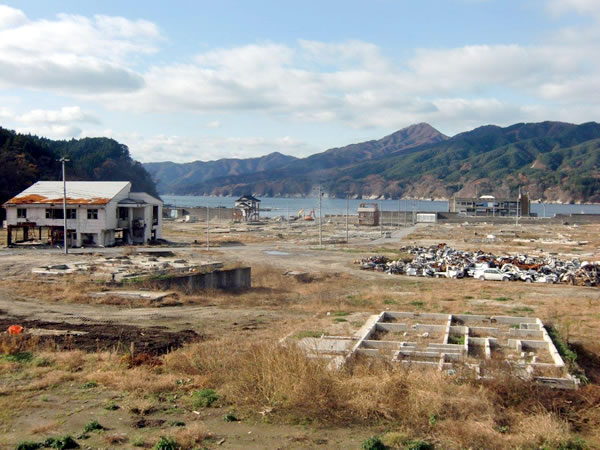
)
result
[(246, 209), (99, 213), (489, 206), (368, 214)]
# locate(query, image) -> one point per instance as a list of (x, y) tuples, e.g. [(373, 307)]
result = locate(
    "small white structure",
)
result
[(426, 217), (99, 213)]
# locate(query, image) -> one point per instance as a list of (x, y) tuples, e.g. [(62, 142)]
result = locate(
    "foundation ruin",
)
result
[(445, 342)]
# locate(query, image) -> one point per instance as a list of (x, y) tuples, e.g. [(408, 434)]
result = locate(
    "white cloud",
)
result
[(185, 149), (10, 17), (579, 6), (73, 54), (350, 83), (6, 113), (65, 115), (52, 131)]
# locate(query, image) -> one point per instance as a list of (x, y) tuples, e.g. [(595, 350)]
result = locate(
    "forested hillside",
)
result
[(25, 159), (553, 161), (171, 177)]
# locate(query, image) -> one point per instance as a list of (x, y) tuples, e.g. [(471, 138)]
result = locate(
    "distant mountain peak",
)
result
[(421, 130)]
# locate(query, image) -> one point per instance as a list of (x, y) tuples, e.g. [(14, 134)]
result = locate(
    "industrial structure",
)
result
[(489, 206), (98, 213)]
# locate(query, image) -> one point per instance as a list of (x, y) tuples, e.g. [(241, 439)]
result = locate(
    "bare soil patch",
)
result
[(154, 340)]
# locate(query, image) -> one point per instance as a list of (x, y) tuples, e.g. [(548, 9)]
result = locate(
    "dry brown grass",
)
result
[(192, 435), (76, 290), (268, 377), (142, 406), (13, 344), (44, 428), (115, 439)]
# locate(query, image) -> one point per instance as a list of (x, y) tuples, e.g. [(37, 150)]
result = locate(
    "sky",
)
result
[(190, 80)]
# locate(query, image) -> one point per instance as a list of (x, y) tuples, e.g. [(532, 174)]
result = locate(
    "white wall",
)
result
[(103, 227)]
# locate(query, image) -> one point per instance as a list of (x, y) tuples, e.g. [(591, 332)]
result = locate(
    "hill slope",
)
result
[(554, 161), (172, 177), (25, 159), (199, 177)]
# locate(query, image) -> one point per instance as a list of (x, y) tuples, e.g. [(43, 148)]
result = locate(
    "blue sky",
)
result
[(189, 80)]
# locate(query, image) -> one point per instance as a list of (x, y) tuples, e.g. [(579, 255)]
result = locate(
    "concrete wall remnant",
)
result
[(225, 279), (477, 342)]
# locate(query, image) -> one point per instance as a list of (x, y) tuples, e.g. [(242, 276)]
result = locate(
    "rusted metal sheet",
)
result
[(32, 199)]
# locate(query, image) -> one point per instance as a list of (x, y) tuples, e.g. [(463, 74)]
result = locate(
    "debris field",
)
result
[(443, 261)]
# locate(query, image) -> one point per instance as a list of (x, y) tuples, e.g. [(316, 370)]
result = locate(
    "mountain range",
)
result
[(553, 161)]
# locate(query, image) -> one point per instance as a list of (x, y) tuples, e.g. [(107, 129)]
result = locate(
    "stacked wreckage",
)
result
[(443, 261)]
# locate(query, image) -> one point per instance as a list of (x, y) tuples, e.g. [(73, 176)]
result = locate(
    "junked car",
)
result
[(492, 275)]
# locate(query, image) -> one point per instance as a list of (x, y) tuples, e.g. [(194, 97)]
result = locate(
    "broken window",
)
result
[(54, 214), (21, 213), (122, 213), (92, 214), (71, 213)]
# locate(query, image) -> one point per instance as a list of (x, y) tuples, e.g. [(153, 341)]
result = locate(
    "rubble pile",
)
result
[(121, 268), (443, 261)]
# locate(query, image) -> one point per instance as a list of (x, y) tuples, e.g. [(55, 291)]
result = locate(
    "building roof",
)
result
[(247, 197), (78, 192)]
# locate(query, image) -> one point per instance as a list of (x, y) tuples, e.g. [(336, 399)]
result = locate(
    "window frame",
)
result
[(21, 213), (92, 214)]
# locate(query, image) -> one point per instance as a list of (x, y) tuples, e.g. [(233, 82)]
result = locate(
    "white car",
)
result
[(550, 278), (492, 274)]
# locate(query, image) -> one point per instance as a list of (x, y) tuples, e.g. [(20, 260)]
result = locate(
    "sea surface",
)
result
[(282, 206)]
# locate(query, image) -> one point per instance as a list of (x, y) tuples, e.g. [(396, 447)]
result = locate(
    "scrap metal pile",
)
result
[(443, 261)]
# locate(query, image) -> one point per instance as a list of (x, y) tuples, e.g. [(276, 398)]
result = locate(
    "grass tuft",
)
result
[(204, 398)]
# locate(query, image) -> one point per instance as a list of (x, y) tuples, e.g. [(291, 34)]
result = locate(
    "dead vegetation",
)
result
[(141, 397), (265, 381)]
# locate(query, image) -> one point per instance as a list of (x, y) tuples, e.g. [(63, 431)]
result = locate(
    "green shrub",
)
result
[(373, 443), (21, 357), (61, 443), (229, 417), (204, 398), (418, 445), (166, 443), (26, 445), (93, 426)]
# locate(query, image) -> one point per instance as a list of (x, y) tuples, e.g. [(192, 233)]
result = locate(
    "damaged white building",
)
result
[(99, 213)]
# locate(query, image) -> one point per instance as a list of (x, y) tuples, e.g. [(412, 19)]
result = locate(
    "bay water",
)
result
[(283, 206)]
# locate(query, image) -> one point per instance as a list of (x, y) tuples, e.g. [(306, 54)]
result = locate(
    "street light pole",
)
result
[(347, 207), (207, 227), (63, 161), (320, 221)]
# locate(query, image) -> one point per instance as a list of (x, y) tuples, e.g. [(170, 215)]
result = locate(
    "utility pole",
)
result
[(347, 207), (398, 212), (320, 221), (63, 161), (381, 218), (207, 227)]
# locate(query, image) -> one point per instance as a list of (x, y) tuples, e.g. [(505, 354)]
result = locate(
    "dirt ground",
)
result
[(335, 299)]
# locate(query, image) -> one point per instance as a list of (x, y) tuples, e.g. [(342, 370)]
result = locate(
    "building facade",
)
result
[(99, 213), (246, 209), (368, 214), (489, 206)]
